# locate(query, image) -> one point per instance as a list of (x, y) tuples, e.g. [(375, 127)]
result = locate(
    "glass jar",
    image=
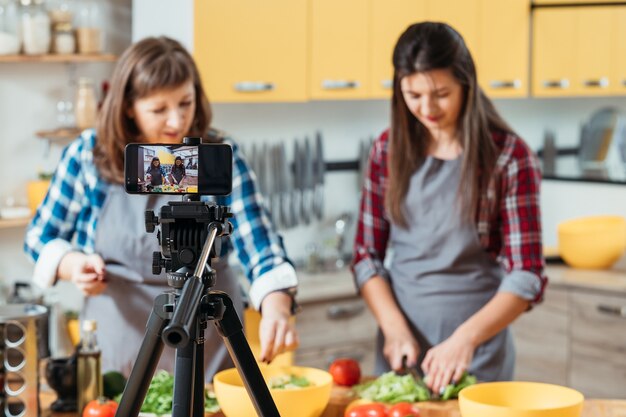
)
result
[(35, 27), (86, 104), (10, 39), (63, 40), (60, 11), (89, 34)]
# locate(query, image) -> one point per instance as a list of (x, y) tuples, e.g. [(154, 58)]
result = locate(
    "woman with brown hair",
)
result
[(90, 232), (448, 246)]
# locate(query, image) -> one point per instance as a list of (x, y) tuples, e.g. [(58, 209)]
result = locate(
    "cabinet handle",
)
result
[(505, 84), (562, 83), (624, 82), (340, 84), (612, 310), (602, 82), (388, 84), (343, 312), (357, 356), (253, 86)]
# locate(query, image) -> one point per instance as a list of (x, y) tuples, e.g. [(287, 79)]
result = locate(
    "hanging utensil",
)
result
[(307, 178), (320, 168), (296, 192)]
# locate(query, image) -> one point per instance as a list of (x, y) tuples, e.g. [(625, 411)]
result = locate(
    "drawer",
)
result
[(598, 329), (338, 322), (322, 357)]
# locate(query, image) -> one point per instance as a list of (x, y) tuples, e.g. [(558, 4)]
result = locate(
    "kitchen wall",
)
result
[(28, 93)]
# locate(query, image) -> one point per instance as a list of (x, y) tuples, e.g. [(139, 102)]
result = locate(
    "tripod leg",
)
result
[(184, 379), (231, 329), (147, 360), (198, 386)]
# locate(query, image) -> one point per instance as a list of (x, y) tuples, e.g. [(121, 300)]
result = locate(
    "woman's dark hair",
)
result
[(155, 159), (146, 67), (423, 47)]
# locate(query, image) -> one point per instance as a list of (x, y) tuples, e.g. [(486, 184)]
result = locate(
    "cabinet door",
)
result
[(389, 19), (504, 42), (598, 328), (462, 15), (593, 49), (251, 51), (553, 55), (339, 49), (542, 340), (618, 81), (575, 1)]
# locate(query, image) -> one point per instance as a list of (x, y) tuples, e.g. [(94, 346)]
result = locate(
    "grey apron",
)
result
[(122, 311), (440, 274)]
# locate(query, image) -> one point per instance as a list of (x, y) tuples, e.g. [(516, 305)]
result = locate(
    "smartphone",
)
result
[(178, 169)]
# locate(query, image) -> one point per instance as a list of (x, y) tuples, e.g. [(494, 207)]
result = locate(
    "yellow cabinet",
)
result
[(252, 51), (542, 2), (504, 41), (389, 19), (462, 15), (553, 56), (339, 49), (618, 79), (594, 41)]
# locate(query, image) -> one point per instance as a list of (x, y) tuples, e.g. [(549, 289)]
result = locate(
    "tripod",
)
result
[(179, 318)]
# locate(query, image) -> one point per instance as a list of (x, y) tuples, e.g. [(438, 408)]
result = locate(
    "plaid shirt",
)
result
[(77, 193), (513, 235)]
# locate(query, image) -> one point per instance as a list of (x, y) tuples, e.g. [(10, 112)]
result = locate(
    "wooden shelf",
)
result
[(10, 223), (59, 58), (61, 134)]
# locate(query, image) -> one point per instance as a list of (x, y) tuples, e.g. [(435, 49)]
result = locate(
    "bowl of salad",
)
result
[(297, 391)]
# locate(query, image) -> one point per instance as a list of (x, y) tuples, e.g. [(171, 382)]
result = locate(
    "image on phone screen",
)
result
[(174, 169)]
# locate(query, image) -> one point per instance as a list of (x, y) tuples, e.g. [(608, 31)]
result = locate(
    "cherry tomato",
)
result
[(102, 407), (403, 410), (367, 410), (345, 371)]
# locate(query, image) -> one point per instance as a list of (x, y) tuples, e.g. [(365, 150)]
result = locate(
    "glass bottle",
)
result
[(89, 371), (88, 30), (86, 104), (35, 24), (63, 40), (10, 37)]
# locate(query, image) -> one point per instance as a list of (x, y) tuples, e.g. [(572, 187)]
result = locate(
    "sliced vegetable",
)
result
[(392, 388), (452, 391), (288, 382)]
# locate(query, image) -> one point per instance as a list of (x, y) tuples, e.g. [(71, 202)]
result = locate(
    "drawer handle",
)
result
[(562, 83), (339, 84), (253, 86), (602, 83), (624, 82), (388, 84), (505, 84), (342, 312), (357, 356), (612, 310)]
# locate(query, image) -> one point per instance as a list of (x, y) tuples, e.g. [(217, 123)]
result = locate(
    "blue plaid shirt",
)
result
[(77, 194)]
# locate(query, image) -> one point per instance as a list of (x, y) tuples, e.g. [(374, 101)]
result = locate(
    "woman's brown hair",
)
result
[(146, 67), (423, 47)]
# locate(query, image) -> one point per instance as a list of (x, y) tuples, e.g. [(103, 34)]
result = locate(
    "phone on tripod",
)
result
[(162, 168)]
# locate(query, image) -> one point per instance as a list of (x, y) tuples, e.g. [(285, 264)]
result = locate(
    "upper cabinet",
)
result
[(339, 49), (252, 51), (577, 51), (619, 68), (460, 14)]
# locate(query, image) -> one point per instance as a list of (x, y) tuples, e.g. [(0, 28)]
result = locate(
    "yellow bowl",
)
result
[(594, 242), (301, 402), (520, 399)]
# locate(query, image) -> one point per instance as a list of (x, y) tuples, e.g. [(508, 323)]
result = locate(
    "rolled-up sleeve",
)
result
[(372, 233), (521, 225)]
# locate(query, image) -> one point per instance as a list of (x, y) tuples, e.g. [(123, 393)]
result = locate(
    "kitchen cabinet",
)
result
[(503, 58), (339, 49), (250, 51), (462, 15), (619, 70), (558, 2)]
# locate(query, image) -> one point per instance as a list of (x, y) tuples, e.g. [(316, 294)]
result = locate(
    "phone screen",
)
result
[(179, 169)]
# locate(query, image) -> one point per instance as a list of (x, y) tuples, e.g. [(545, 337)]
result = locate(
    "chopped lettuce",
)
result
[(452, 391), (288, 382)]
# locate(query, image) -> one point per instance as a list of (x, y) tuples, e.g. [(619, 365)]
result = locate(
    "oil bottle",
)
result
[(89, 381)]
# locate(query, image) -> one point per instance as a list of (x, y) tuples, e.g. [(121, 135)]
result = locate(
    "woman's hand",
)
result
[(446, 362), (276, 332), (400, 343), (86, 271)]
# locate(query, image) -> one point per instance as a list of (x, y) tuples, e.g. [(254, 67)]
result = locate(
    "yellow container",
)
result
[(300, 402), (36, 192), (520, 399), (594, 242)]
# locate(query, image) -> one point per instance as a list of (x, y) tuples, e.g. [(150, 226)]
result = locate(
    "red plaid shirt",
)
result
[(512, 235)]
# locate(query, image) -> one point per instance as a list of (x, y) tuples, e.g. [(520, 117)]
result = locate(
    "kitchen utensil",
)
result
[(296, 193), (593, 242), (319, 171), (306, 201), (61, 377), (302, 402), (520, 399), (286, 186)]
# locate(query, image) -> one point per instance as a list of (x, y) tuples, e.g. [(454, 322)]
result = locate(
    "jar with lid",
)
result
[(63, 40), (86, 104), (10, 39), (35, 27), (60, 11), (88, 31)]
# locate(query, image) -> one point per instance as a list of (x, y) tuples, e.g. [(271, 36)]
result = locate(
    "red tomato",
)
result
[(102, 407), (367, 410), (345, 371), (403, 410)]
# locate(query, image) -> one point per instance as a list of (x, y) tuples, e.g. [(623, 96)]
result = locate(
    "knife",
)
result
[(307, 182), (296, 192), (320, 167)]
